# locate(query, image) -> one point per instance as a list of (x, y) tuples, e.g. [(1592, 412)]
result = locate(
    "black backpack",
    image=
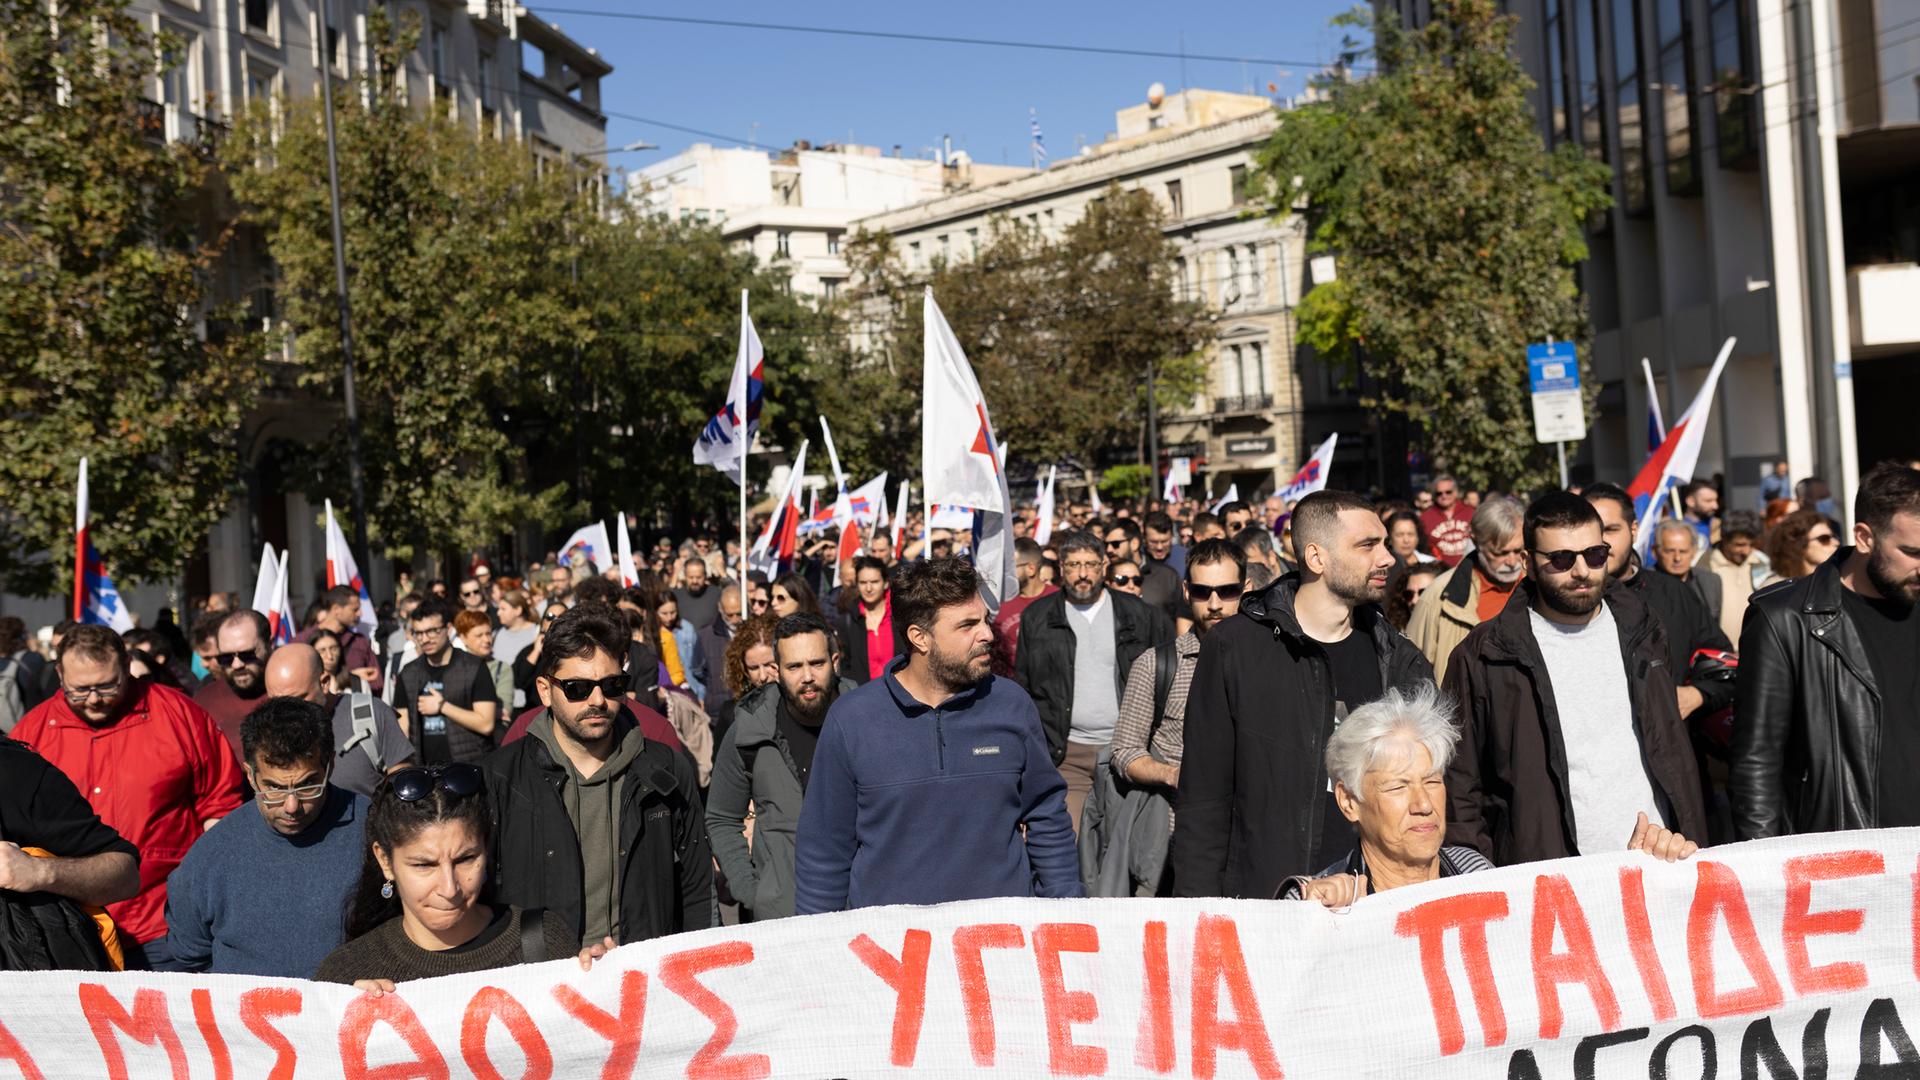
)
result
[(43, 932)]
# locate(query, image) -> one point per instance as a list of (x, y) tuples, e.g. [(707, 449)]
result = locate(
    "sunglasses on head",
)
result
[(1562, 561), (459, 779), (612, 687), (1224, 592)]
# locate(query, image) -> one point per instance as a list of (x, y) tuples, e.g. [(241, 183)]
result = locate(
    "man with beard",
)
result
[(934, 783), (240, 656), (1475, 590), (1829, 704), (699, 599), (150, 761), (595, 822), (765, 760), (1571, 740), (1269, 687), (1076, 647)]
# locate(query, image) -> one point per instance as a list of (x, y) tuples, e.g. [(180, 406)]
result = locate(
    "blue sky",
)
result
[(775, 87)]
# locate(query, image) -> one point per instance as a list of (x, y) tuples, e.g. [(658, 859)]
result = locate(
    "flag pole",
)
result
[(80, 543), (746, 450)]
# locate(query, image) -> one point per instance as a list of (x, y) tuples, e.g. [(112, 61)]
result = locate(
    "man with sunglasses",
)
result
[(1571, 739), (1147, 743), (153, 764), (241, 657), (597, 823), (473, 597), (1076, 647), (262, 894)]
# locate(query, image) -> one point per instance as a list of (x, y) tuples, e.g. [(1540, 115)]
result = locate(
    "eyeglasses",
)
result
[(82, 693), (469, 592), (1823, 539), (1124, 579), (1112, 544), (270, 796), (1224, 592), (576, 690), (458, 779), (757, 603), (1562, 560), (228, 659), (429, 631), (1443, 491)]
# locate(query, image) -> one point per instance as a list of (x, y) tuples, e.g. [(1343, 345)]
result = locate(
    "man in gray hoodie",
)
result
[(764, 759)]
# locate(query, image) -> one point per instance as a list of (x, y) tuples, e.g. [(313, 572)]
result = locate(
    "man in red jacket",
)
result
[(153, 764), (1448, 523)]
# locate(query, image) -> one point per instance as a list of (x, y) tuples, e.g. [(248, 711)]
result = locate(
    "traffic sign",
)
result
[(1559, 414)]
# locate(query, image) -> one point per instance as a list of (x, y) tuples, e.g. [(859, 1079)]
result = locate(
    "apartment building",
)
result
[(1263, 407)]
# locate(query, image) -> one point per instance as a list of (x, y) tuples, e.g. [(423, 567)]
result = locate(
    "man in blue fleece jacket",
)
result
[(923, 778)]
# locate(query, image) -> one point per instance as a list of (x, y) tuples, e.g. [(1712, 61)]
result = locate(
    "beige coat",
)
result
[(1737, 583), (1446, 612)]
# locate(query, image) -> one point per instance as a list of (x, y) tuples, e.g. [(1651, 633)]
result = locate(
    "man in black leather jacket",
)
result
[(1827, 728)]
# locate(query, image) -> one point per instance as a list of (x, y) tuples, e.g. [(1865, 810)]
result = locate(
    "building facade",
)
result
[(1766, 178), (1263, 408), (488, 63), (791, 209)]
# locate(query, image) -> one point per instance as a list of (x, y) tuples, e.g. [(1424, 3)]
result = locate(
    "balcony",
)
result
[(1241, 404), (1883, 317)]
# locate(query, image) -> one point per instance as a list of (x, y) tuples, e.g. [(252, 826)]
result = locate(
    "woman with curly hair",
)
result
[(1800, 542), (749, 663)]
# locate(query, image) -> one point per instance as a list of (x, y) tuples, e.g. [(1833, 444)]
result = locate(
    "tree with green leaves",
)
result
[(1456, 232), (107, 347), (459, 251), (1060, 333)]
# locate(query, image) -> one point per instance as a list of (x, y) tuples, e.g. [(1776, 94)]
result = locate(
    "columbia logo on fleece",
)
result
[(985, 751)]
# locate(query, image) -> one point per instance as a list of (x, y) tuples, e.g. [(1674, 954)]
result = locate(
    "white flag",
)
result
[(1232, 495), (728, 437), (1679, 453), (900, 520), (1093, 494), (1312, 476), (266, 583), (342, 570), (1043, 522), (629, 576), (280, 620), (773, 553), (589, 540), (960, 458)]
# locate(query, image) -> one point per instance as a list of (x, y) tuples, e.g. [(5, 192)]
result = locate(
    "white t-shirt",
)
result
[(1606, 773)]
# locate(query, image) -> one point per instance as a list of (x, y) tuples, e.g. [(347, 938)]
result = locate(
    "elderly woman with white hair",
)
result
[(1388, 761)]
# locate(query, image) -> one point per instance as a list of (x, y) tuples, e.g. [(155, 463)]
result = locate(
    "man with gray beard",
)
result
[(1476, 589)]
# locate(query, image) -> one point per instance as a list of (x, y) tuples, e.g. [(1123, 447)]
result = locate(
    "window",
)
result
[(833, 241), (177, 82), (1182, 287), (1256, 289), (259, 84), (913, 255), (437, 60), (1675, 32), (973, 241), (486, 78), (259, 15), (1176, 201), (1254, 377), (1237, 179), (831, 287), (1586, 53), (1229, 276), (946, 249), (1734, 105), (783, 243), (1230, 374), (1628, 112)]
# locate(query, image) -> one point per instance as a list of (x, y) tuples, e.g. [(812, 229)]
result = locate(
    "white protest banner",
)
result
[(1783, 958)]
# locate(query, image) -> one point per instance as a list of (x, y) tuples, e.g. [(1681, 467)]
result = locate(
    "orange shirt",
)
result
[(1493, 595)]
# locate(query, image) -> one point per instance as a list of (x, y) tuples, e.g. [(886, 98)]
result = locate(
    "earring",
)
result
[(386, 891)]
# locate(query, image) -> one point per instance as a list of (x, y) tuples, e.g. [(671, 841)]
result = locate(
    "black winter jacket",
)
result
[(666, 885), (1507, 786), (1687, 627), (1253, 780), (1044, 662), (1806, 733)]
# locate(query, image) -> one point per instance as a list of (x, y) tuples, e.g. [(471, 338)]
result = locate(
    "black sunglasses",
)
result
[(1117, 543), (226, 659), (1562, 560), (458, 779), (1224, 592), (613, 687), (1124, 579)]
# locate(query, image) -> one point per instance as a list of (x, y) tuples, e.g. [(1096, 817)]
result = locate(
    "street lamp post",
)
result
[(356, 476)]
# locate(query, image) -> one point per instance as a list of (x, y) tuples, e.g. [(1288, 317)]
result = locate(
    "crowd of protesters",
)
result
[(1314, 701)]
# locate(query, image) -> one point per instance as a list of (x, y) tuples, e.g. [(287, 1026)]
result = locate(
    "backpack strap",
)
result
[(366, 729), (533, 935), (1165, 662)]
